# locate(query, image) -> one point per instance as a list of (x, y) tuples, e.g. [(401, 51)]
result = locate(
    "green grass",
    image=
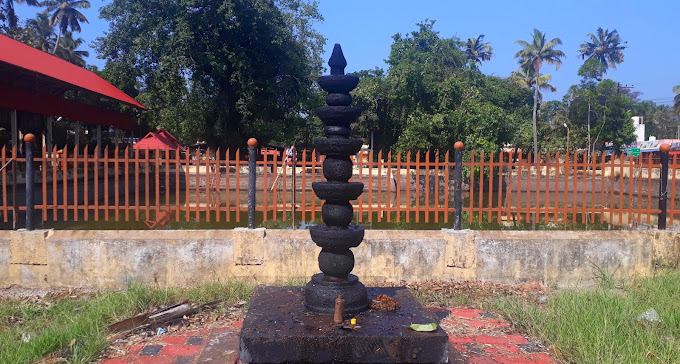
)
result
[(583, 326), (52, 327), (599, 325)]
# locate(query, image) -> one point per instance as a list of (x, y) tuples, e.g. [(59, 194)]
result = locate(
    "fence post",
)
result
[(293, 181), (252, 146), (29, 139), (663, 185), (458, 184)]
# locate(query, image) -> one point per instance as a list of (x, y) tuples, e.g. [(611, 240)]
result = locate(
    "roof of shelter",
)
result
[(35, 81), (160, 139)]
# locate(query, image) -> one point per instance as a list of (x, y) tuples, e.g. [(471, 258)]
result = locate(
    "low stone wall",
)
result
[(114, 258)]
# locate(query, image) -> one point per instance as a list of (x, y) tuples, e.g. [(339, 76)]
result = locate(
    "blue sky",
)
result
[(364, 29)]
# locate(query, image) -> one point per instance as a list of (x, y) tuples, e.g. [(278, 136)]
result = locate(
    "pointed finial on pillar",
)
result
[(337, 62)]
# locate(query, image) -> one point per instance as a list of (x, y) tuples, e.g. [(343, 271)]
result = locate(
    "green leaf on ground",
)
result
[(424, 327)]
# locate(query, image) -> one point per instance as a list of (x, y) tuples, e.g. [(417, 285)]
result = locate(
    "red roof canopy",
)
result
[(159, 139), (30, 71)]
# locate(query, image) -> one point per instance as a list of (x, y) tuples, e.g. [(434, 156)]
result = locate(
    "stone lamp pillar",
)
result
[(336, 260)]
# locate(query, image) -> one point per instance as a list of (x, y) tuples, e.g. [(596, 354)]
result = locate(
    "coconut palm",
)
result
[(606, 47), (67, 50), (65, 15), (477, 50), (532, 55), (526, 78), (7, 12), (40, 34)]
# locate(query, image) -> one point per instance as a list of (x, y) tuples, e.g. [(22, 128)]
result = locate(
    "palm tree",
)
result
[(525, 78), (477, 50), (65, 15), (40, 34), (67, 50), (7, 12), (532, 55), (676, 99), (606, 47)]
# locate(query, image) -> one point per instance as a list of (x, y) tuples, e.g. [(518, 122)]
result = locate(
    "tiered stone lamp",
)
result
[(336, 260), (299, 324)]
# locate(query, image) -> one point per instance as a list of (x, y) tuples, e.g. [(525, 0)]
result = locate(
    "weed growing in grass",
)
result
[(599, 325), (54, 326)]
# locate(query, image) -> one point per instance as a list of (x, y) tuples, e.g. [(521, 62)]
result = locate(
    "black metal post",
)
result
[(252, 146), (663, 185), (458, 184), (293, 182), (29, 139)]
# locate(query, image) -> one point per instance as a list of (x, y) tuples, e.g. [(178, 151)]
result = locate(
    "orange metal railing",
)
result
[(160, 186)]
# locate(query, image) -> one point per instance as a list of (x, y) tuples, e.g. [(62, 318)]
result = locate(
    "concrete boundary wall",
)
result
[(114, 258)]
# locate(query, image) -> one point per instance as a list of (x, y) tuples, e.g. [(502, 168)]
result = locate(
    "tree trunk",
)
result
[(534, 119), (56, 44), (590, 147)]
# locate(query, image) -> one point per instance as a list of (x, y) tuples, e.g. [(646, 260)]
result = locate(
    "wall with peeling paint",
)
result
[(113, 259)]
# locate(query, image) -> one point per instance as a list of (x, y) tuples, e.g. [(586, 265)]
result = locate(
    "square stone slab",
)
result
[(278, 329)]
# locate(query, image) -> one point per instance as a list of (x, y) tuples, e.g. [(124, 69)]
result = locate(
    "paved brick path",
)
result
[(480, 337), (477, 337)]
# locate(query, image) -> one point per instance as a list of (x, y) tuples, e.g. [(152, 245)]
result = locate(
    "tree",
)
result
[(610, 114), (65, 15), (428, 100), (606, 48), (663, 123), (532, 55), (477, 50), (215, 70), (39, 33), (68, 51), (591, 69), (7, 14), (676, 99), (526, 78)]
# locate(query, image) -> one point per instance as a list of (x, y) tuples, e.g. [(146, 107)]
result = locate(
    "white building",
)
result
[(639, 124)]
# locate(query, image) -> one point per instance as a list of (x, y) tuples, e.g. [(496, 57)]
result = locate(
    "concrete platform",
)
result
[(278, 329)]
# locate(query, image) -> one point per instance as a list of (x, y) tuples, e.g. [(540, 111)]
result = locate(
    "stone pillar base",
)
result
[(320, 295)]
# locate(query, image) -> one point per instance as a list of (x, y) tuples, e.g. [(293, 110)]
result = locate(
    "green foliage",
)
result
[(662, 122), (551, 132), (530, 59), (592, 69), (429, 100), (604, 50), (67, 49), (526, 78), (219, 71), (477, 50), (31, 330), (65, 15), (610, 114), (39, 33), (8, 16), (539, 50), (600, 326)]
